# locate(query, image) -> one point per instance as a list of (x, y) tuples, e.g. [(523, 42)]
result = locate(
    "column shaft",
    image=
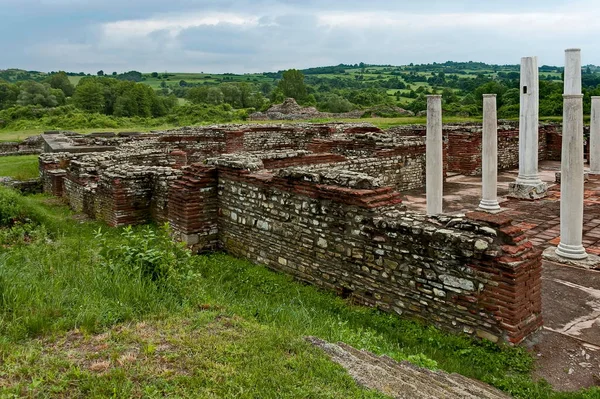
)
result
[(434, 157), (528, 122), (571, 186), (572, 71), (571, 168), (528, 184), (489, 156)]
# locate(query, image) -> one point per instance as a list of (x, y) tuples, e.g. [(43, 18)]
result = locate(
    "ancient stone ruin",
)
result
[(322, 202), (290, 110)]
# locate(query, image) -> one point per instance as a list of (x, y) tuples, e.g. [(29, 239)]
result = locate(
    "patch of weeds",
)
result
[(147, 253)]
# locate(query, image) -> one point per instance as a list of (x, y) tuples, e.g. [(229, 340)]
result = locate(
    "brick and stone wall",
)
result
[(474, 276), (464, 148), (323, 203), (463, 152)]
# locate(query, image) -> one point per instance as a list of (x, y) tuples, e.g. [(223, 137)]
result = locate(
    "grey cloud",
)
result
[(66, 34)]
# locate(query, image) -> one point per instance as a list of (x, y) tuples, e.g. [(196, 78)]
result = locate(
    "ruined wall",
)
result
[(264, 138), (192, 210), (553, 133), (464, 148), (475, 277), (29, 146), (133, 195), (322, 203), (53, 172)]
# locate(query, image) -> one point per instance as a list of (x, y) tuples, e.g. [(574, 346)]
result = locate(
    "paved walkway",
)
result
[(403, 380), (568, 348)]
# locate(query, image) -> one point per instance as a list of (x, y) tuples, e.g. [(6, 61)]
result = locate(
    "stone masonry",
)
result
[(321, 202)]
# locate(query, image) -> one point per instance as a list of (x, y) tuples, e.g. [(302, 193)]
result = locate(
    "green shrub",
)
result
[(148, 253)]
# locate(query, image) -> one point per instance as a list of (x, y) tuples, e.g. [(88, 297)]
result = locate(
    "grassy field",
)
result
[(21, 167), (201, 78), (87, 311)]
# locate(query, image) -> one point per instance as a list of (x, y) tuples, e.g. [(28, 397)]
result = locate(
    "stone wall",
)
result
[(464, 148), (322, 203), (30, 146), (30, 186), (463, 141), (479, 277)]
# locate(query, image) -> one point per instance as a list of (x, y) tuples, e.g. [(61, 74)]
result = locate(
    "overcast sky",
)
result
[(269, 35)]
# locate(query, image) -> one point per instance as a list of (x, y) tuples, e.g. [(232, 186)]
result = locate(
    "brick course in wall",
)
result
[(192, 210)]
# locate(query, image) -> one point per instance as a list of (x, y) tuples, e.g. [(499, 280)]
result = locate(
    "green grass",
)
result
[(81, 317), (75, 79), (21, 167)]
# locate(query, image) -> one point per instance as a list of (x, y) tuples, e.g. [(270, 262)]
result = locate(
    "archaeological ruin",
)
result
[(325, 203), (322, 202)]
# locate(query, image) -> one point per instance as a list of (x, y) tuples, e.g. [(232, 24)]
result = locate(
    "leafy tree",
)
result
[(205, 95), (34, 93), (133, 76), (335, 103), (89, 95), (214, 96), (265, 88), (8, 94), (511, 97), (277, 96), (292, 85), (418, 105), (154, 74), (100, 73), (492, 87), (232, 94), (61, 81)]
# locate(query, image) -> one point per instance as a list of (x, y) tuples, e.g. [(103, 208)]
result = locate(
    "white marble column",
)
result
[(572, 71), (571, 186), (528, 184), (595, 137), (435, 157), (489, 155)]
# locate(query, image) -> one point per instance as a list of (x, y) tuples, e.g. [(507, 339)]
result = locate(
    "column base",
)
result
[(576, 252), (589, 262), (530, 191), (490, 206), (586, 176)]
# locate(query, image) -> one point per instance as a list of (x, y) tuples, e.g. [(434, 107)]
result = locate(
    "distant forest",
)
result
[(195, 97)]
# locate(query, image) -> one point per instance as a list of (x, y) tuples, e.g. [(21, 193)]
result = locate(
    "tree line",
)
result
[(125, 95), (104, 95)]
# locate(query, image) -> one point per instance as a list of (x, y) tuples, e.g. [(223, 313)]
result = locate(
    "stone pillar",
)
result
[(489, 156), (572, 71), (435, 157), (528, 184), (571, 182), (595, 137)]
